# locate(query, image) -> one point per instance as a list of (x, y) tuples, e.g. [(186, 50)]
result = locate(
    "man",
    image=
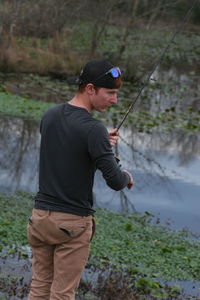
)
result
[(73, 146)]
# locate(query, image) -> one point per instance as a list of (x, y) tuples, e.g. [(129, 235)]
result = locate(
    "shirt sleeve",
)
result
[(101, 153)]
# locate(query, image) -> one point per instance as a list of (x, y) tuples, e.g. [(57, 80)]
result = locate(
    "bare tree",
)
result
[(100, 14), (8, 15), (128, 28)]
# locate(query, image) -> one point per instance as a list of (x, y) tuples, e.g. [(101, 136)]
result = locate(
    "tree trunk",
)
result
[(129, 26)]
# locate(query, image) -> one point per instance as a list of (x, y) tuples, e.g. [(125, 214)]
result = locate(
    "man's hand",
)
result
[(113, 136), (130, 184)]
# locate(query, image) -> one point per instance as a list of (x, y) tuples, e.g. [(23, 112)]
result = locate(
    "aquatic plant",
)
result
[(141, 120), (126, 242), (15, 106)]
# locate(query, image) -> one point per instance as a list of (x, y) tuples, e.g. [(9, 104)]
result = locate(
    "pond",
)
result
[(165, 164), (166, 169)]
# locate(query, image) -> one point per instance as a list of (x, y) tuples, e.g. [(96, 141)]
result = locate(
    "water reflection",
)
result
[(18, 154), (166, 170)]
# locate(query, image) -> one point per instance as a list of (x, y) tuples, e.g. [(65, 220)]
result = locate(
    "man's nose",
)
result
[(114, 99)]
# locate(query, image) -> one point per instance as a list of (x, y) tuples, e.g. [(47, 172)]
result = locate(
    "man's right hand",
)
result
[(131, 182)]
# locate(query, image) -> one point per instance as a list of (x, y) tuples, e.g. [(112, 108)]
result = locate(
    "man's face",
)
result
[(104, 98)]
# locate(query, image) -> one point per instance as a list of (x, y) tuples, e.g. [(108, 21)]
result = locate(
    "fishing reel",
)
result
[(117, 160)]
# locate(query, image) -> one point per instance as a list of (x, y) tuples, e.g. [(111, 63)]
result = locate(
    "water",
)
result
[(166, 166), (167, 178), (166, 169), (18, 155)]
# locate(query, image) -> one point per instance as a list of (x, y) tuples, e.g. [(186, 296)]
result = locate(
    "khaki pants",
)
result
[(60, 244)]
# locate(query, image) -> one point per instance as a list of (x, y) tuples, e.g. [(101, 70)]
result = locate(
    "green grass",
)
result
[(131, 241), (15, 211), (15, 106), (122, 241)]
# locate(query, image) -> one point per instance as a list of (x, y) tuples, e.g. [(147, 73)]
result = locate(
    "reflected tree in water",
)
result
[(19, 154), (139, 153)]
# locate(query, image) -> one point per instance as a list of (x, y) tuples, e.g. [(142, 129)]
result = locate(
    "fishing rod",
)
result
[(158, 63)]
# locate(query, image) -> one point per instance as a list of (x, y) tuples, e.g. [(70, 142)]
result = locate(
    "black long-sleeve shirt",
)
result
[(73, 146)]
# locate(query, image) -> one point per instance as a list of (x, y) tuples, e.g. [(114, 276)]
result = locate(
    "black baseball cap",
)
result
[(99, 72)]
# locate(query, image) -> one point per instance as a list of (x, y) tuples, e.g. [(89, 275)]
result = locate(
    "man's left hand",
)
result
[(113, 136)]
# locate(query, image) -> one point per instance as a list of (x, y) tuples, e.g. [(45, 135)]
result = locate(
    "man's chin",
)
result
[(101, 109)]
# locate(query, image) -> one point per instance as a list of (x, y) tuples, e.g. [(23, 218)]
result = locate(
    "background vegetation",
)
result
[(58, 36), (42, 43)]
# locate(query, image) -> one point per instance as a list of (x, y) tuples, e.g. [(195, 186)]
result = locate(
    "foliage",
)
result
[(130, 241), (127, 242), (15, 211), (58, 37), (144, 120), (12, 105), (119, 285), (33, 86)]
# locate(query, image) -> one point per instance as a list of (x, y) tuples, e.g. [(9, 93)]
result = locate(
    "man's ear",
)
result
[(90, 89)]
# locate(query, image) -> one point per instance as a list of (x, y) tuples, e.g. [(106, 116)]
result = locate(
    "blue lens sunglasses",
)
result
[(114, 72)]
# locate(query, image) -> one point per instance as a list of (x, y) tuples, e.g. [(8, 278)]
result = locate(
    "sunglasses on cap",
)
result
[(115, 72)]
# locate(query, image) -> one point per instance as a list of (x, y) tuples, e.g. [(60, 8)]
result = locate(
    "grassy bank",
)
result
[(14, 106), (124, 241)]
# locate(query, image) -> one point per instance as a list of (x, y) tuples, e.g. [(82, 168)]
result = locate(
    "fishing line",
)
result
[(182, 25)]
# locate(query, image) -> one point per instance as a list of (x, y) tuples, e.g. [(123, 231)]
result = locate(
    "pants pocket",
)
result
[(33, 240), (72, 231), (93, 229)]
